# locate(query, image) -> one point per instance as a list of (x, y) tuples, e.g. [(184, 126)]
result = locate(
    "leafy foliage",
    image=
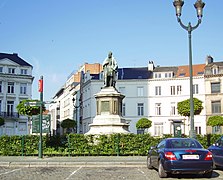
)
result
[(143, 123), (215, 121), (68, 123), (27, 110), (2, 121), (87, 145), (184, 107)]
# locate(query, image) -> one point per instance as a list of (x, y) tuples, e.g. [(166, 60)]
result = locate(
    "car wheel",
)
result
[(149, 165), (208, 175), (161, 172)]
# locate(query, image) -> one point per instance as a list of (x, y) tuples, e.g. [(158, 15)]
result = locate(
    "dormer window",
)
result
[(215, 70), (11, 70), (182, 74), (24, 71), (168, 75), (157, 75)]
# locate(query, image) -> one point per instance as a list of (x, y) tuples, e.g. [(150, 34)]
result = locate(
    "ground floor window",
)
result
[(198, 130), (216, 130), (158, 129)]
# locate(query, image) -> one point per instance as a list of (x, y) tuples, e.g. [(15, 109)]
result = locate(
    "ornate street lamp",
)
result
[(77, 119), (199, 5)]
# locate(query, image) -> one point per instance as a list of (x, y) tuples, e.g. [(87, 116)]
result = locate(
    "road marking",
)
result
[(10, 171), (141, 171), (73, 173)]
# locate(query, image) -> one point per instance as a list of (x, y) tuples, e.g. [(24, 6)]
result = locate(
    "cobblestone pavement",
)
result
[(91, 173)]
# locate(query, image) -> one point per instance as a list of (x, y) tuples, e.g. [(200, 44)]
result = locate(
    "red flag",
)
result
[(40, 85)]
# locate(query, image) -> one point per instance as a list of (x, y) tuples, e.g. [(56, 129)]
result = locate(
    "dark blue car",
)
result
[(180, 156), (217, 152)]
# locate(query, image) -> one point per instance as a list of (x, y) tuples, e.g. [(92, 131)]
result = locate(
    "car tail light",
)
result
[(170, 156), (208, 156)]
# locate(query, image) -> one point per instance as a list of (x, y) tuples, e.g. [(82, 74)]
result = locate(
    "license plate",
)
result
[(186, 156)]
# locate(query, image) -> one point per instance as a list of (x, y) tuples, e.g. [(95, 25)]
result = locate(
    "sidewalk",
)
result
[(84, 161)]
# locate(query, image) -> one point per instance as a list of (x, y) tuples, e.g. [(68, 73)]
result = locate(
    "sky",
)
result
[(58, 36)]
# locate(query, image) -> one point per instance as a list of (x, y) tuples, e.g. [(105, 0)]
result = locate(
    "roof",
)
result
[(214, 63), (134, 73), (165, 69), (184, 71), (15, 58)]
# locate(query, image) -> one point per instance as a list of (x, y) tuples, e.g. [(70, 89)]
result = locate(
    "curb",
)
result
[(72, 164)]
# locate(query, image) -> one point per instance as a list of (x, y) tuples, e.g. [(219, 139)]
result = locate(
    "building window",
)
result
[(158, 90), (10, 105), (215, 87), (11, 70), (198, 130), (195, 89), (23, 88), (157, 75), (24, 71), (215, 70), (158, 108), (140, 109), (10, 87), (182, 74), (1, 69), (216, 107), (179, 89), (0, 106), (158, 129), (173, 109), (123, 109), (168, 75), (216, 130), (140, 91), (172, 90)]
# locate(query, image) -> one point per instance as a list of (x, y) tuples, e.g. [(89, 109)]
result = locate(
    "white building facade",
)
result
[(15, 85), (152, 92), (167, 88)]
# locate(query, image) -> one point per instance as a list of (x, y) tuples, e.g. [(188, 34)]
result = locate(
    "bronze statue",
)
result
[(110, 68)]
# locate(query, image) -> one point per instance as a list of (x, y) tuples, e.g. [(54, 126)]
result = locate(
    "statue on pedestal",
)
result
[(108, 119), (110, 68)]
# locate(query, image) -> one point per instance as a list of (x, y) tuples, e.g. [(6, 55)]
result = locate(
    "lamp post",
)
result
[(40, 153), (199, 5), (77, 120)]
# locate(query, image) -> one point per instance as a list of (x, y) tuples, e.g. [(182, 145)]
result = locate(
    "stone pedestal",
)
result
[(108, 119)]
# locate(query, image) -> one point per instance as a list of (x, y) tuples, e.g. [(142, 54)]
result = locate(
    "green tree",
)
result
[(215, 121), (143, 123), (68, 124), (183, 107)]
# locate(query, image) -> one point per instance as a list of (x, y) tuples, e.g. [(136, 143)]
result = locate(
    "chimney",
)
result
[(209, 60), (150, 66)]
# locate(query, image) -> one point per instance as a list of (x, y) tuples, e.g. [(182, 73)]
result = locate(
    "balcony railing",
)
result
[(9, 114)]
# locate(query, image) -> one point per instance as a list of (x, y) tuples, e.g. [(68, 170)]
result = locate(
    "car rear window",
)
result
[(183, 143)]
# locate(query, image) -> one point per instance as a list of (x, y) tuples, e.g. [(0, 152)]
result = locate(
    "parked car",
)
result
[(217, 152), (180, 156)]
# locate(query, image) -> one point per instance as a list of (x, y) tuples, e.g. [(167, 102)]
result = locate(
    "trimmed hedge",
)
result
[(86, 145)]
